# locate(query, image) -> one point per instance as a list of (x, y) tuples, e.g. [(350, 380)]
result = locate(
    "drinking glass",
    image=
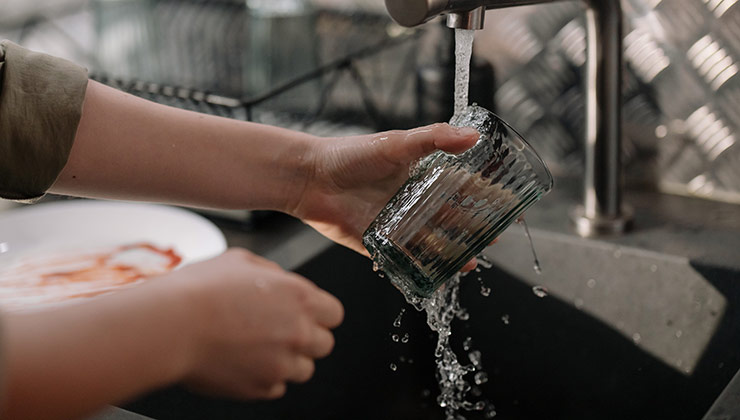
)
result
[(453, 206)]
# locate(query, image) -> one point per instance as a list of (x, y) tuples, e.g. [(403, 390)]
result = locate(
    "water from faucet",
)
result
[(463, 54)]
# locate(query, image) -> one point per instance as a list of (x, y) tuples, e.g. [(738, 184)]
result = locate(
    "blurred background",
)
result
[(336, 67), (645, 325)]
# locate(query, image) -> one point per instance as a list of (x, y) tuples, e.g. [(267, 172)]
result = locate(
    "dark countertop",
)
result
[(703, 231)]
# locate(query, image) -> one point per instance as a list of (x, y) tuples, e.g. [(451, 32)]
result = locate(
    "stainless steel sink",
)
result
[(645, 326)]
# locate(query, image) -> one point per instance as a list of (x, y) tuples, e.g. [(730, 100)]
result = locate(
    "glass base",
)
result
[(399, 268)]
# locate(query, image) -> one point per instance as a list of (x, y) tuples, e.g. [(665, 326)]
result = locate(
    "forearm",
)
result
[(70, 361), (130, 148)]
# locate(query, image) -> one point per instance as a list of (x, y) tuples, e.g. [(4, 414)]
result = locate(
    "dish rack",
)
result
[(359, 74)]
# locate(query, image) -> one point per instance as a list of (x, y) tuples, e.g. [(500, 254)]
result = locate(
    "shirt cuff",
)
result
[(40, 108)]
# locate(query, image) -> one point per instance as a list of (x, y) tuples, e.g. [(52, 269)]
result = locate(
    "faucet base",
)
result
[(589, 227)]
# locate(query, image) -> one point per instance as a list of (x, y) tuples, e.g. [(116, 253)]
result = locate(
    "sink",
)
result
[(641, 327)]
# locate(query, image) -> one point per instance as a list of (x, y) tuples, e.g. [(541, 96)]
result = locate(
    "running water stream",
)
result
[(456, 378), (463, 54)]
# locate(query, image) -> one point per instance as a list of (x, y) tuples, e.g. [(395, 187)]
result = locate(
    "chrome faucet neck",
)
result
[(471, 19), (602, 211)]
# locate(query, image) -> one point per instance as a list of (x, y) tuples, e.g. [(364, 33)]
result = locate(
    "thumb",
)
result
[(417, 143)]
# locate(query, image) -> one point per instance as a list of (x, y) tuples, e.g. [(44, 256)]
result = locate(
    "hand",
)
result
[(354, 177), (257, 326)]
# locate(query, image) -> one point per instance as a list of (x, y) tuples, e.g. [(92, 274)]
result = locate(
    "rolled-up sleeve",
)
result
[(40, 107)]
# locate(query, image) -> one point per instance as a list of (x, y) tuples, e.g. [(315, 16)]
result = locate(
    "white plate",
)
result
[(84, 226)]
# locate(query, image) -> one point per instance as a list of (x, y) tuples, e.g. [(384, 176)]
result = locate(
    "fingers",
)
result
[(326, 310), (275, 391), (303, 369), (319, 345), (407, 146)]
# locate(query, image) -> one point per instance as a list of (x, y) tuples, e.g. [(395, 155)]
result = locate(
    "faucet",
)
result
[(602, 212)]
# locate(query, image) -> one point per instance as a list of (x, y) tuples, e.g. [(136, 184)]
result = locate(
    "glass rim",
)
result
[(528, 147)]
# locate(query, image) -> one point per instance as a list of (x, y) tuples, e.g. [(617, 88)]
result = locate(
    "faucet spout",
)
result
[(602, 211)]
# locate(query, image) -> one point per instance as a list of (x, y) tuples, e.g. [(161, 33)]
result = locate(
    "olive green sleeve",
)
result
[(40, 107)]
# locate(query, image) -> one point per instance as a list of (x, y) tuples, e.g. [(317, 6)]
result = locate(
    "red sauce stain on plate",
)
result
[(40, 280)]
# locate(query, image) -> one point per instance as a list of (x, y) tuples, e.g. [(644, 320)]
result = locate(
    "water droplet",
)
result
[(485, 291), (393, 367), (653, 268), (484, 262), (479, 406), (490, 413), (474, 357), (426, 393), (467, 343), (376, 267), (411, 361), (477, 269), (679, 362), (578, 303), (591, 283), (505, 319), (4, 247), (397, 321), (537, 267), (463, 315), (395, 338), (679, 333), (481, 378), (405, 338), (539, 291), (467, 405), (617, 253), (636, 337), (381, 274)]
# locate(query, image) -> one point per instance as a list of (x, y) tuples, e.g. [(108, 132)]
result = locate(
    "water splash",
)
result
[(405, 338), (393, 367), (441, 309)]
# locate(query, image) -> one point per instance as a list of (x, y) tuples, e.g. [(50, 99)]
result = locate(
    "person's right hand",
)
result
[(257, 326)]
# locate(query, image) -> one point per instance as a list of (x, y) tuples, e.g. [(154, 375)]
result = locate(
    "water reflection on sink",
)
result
[(622, 334)]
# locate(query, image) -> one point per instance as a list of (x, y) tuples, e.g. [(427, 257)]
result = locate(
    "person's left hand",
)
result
[(354, 177)]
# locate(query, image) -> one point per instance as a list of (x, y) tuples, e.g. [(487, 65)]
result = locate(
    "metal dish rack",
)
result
[(363, 74)]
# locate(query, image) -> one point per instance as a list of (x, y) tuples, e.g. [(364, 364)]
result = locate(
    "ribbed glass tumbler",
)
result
[(453, 206)]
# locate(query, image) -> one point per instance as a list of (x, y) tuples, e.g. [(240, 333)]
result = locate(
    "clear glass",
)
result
[(453, 206)]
